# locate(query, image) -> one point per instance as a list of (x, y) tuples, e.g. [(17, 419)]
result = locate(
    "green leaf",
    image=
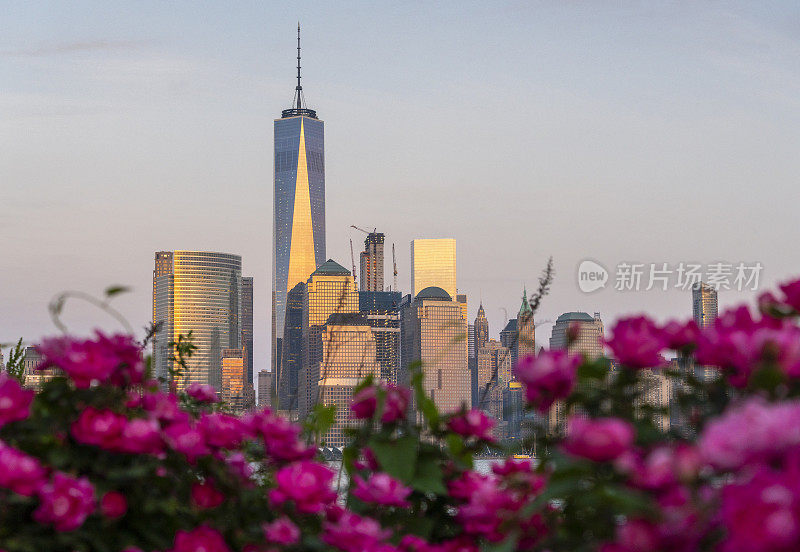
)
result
[(116, 290), (397, 457), (429, 477)]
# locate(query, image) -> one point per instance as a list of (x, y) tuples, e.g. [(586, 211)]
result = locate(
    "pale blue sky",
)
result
[(621, 131)]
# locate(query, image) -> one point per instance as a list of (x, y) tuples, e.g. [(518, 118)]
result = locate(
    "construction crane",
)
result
[(394, 266), (353, 261)]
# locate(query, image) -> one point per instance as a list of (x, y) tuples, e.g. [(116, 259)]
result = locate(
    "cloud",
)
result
[(45, 50)]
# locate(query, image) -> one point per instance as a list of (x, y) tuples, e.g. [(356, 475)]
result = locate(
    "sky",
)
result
[(623, 132)]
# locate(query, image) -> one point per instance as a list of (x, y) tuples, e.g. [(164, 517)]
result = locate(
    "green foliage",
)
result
[(15, 366)]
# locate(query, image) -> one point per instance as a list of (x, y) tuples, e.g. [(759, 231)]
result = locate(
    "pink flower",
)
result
[(680, 336), (474, 423), (201, 539), (599, 439), (94, 361), (163, 407), (205, 495), (239, 466), (353, 533), (102, 428), (282, 531), (15, 402), (306, 483), (202, 393), (141, 436), (637, 342), (547, 377), (486, 504), (752, 432), (791, 292), (381, 489), (281, 437), (19, 472), (186, 439), (222, 430), (65, 502), (762, 514), (396, 398), (113, 505)]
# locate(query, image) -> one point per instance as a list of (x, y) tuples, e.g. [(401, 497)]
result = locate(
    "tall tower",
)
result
[(704, 304), (433, 264), (247, 328), (299, 205), (481, 329), (372, 263)]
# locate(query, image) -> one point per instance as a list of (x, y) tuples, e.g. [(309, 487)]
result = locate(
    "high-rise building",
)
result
[(578, 333), (433, 264), (330, 290), (247, 326), (382, 311), (232, 390), (291, 350), (372, 263), (494, 374), (299, 205), (349, 355), (264, 388), (481, 329), (587, 337), (433, 330), (198, 292), (704, 304)]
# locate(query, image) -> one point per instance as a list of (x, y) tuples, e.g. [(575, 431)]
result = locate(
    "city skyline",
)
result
[(214, 153)]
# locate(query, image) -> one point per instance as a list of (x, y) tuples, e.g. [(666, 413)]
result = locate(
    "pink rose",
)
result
[(15, 402), (381, 489), (281, 437), (20, 472), (599, 439), (102, 428), (306, 483), (222, 430), (205, 495), (395, 404), (141, 436), (186, 439), (113, 505), (202, 393), (548, 376), (791, 292), (201, 539), (474, 423), (282, 531), (353, 533), (680, 336), (637, 342), (65, 502)]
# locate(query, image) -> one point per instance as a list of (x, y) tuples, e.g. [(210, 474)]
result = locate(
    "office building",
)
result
[(433, 330), (330, 290), (494, 375), (372, 263), (298, 203), (382, 312), (481, 329), (198, 292), (349, 353), (433, 264), (704, 304), (33, 378), (292, 347), (234, 369), (247, 327), (264, 388)]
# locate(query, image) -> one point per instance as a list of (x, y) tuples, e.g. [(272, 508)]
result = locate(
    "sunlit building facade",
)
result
[(704, 304), (198, 292), (433, 264), (298, 205), (372, 263), (349, 352), (434, 334), (234, 368), (494, 375), (329, 290)]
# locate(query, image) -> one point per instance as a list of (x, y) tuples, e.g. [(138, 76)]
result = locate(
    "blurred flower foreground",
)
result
[(104, 459)]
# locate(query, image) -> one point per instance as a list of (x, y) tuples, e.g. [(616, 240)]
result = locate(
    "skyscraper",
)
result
[(434, 334), (247, 327), (494, 370), (299, 204), (264, 388), (433, 264), (196, 291), (330, 290), (704, 304), (232, 390), (481, 329), (382, 311), (372, 263)]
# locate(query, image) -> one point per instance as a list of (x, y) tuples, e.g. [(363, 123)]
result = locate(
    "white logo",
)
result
[(591, 276)]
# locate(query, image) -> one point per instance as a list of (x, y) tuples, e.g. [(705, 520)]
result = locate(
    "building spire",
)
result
[(299, 90)]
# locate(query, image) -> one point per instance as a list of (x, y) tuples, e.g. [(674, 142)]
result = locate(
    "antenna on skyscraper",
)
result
[(299, 89)]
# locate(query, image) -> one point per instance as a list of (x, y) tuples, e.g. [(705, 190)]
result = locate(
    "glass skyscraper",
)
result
[(433, 263), (299, 205), (201, 292)]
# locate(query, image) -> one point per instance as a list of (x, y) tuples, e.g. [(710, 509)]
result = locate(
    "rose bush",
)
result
[(105, 458)]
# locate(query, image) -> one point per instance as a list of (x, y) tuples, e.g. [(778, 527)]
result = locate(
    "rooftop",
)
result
[(434, 293), (331, 268), (575, 316)]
